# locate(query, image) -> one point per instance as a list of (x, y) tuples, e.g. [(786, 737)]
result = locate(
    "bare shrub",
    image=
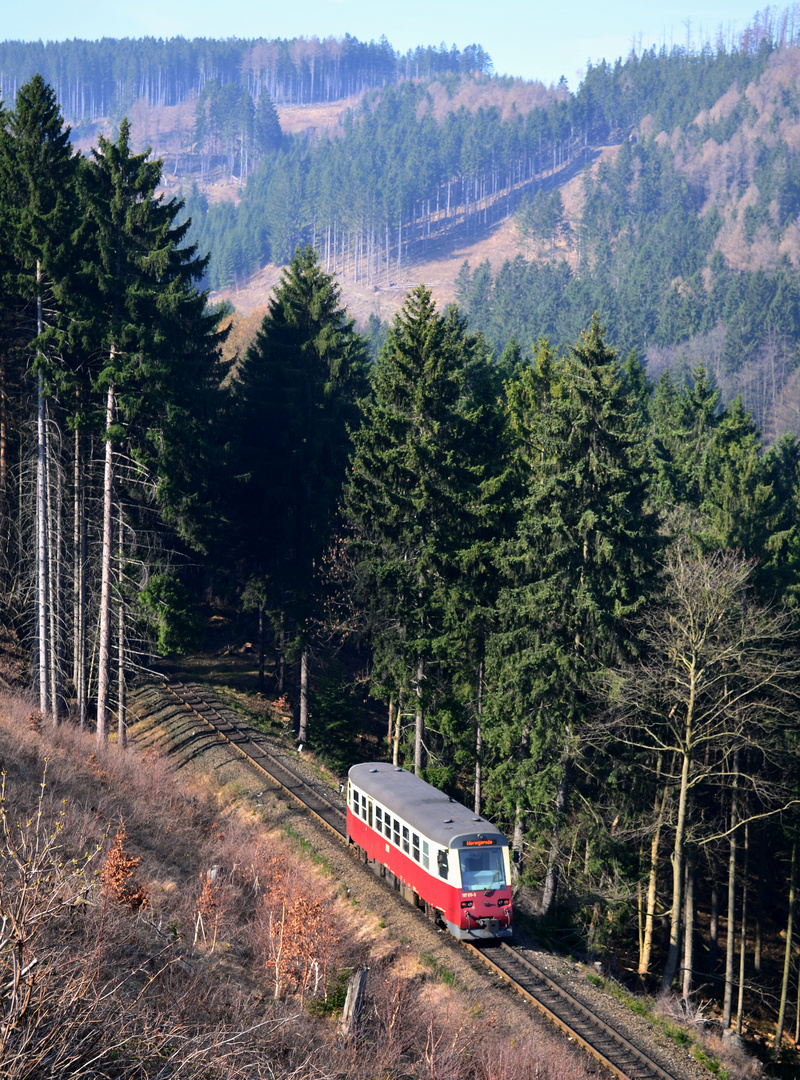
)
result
[(214, 907), (693, 1013), (706, 1035), (295, 933), (59, 1020), (106, 990)]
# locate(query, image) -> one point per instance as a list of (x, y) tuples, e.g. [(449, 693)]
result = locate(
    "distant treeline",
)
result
[(399, 179), (95, 79)]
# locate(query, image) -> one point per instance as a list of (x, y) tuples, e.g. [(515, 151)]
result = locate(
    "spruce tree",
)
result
[(737, 499), (422, 502), (684, 420), (580, 563), (37, 175), (154, 344), (294, 400)]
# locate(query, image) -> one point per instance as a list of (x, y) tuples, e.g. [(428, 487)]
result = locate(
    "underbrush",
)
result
[(155, 929), (690, 1028)]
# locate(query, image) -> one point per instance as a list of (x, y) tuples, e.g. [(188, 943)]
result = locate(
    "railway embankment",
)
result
[(180, 732)]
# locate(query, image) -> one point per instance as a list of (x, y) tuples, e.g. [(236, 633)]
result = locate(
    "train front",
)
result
[(483, 870)]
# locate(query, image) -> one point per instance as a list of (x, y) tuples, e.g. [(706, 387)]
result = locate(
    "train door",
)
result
[(371, 841)]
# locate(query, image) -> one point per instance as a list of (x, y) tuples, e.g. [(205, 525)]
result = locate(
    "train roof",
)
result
[(425, 808)]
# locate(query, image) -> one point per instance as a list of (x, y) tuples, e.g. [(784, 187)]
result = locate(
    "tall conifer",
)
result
[(145, 319), (420, 497), (295, 398), (579, 564), (37, 174)]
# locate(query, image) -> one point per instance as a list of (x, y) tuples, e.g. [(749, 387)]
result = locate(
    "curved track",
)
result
[(603, 1042), (272, 763)]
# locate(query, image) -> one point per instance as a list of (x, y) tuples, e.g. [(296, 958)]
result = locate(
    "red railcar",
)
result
[(440, 855)]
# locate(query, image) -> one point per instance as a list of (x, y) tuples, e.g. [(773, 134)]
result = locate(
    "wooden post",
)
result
[(354, 1003)]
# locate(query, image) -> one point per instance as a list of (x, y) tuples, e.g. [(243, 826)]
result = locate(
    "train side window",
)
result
[(426, 855), (405, 839), (397, 832), (415, 845), (355, 800), (387, 827), (378, 819), (369, 814), (364, 807), (441, 859)]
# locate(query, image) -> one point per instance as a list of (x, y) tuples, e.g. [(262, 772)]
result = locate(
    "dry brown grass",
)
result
[(214, 977), (707, 1037)]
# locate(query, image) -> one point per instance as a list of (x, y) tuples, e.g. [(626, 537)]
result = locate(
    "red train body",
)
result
[(439, 854)]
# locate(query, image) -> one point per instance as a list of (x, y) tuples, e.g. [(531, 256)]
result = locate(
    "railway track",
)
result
[(605, 1044), (272, 764)]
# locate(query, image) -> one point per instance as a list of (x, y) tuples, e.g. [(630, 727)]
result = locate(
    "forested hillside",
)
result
[(573, 588), (660, 193), (96, 79), (429, 163), (685, 239)]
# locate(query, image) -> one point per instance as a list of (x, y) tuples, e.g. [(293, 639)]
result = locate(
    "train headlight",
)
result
[(502, 903), (466, 903)]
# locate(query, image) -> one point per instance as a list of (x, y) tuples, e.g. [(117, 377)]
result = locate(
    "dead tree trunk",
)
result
[(730, 944), (79, 583), (713, 926), (743, 944), (41, 553), (282, 654), (302, 733), (53, 501), (688, 928), (261, 651), (419, 730), (677, 878), (41, 518), (787, 955), (759, 911), (554, 861), (104, 642), (652, 887), (122, 727), (479, 742), (353, 1004), (398, 730), (518, 835)]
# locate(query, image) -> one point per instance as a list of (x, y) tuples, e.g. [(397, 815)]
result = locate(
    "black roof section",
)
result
[(426, 809)]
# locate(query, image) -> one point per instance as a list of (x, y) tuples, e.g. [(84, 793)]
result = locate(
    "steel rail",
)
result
[(571, 1015), (555, 1002), (291, 783)]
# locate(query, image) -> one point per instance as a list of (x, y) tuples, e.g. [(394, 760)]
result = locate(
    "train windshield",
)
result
[(482, 869)]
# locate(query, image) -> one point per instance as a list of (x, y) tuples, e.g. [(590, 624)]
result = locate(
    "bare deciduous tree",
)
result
[(718, 674)]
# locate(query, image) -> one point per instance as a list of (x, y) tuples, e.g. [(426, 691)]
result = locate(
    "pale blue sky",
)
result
[(534, 39)]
